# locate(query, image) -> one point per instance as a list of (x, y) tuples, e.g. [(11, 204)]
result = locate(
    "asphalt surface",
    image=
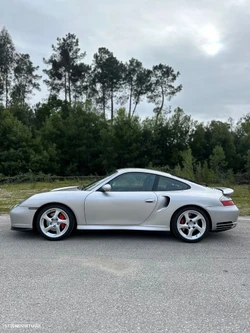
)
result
[(96, 282)]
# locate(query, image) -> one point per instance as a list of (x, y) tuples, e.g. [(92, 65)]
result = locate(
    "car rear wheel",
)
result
[(190, 224), (55, 222)]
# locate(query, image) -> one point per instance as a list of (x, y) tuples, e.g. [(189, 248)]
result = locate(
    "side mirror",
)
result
[(106, 188)]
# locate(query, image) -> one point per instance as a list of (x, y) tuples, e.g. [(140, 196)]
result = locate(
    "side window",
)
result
[(169, 184), (132, 182)]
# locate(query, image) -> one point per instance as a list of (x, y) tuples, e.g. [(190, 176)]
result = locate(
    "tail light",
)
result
[(226, 201)]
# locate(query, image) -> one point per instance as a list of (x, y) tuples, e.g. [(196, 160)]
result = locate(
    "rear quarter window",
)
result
[(170, 184)]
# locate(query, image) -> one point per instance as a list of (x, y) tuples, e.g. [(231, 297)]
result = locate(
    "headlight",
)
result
[(18, 204)]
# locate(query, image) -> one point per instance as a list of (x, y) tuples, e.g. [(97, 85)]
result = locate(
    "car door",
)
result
[(130, 201)]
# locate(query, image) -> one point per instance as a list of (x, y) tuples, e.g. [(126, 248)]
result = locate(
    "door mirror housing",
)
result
[(106, 188)]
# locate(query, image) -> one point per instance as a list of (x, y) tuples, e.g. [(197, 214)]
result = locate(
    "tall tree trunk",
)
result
[(103, 102), (161, 107), (6, 91), (23, 98), (112, 106), (162, 100), (136, 103), (69, 85), (130, 101), (65, 85)]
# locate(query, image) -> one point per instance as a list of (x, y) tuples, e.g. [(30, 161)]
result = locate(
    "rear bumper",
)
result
[(223, 218), (223, 226)]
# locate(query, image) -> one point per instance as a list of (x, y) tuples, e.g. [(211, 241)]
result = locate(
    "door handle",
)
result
[(149, 200)]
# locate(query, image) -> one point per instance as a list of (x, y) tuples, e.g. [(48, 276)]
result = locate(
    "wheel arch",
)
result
[(49, 204), (193, 206)]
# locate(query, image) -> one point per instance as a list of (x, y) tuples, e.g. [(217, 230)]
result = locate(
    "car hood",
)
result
[(68, 188)]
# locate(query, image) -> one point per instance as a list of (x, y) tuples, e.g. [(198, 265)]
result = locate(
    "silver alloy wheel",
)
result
[(54, 222), (191, 225)]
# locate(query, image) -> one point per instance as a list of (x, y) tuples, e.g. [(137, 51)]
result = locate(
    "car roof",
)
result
[(124, 170), (165, 174)]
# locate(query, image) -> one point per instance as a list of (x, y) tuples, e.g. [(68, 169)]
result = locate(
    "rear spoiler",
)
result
[(226, 191)]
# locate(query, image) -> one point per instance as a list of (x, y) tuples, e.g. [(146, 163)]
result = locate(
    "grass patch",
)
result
[(10, 194), (241, 197)]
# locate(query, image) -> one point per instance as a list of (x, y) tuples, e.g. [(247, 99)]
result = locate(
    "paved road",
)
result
[(96, 282)]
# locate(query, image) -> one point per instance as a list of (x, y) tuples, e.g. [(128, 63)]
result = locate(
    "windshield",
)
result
[(96, 183)]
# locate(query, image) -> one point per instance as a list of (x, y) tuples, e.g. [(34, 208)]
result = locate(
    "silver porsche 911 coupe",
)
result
[(129, 199)]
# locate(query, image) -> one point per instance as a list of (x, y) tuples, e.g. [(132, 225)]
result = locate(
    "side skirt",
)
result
[(117, 227)]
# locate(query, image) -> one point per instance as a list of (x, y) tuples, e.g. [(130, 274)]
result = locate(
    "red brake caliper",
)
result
[(182, 221), (62, 217)]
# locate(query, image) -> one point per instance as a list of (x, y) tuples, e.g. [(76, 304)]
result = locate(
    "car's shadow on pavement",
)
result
[(101, 235), (122, 234), (119, 235)]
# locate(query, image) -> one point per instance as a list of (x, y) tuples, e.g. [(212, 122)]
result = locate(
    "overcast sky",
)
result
[(207, 41)]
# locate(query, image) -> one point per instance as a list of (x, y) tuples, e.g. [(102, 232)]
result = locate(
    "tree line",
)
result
[(107, 83), (89, 125)]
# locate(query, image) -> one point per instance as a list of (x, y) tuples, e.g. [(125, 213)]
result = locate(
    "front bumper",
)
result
[(20, 229), (21, 218)]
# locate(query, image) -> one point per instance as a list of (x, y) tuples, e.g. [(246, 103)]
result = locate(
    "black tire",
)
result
[(55, 222), (190, 224)]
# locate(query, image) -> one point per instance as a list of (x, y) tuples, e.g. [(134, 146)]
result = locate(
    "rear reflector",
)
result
[(227, 202)]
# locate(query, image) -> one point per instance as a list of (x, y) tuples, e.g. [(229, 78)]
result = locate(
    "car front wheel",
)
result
[(190, 224), (55, 222)]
